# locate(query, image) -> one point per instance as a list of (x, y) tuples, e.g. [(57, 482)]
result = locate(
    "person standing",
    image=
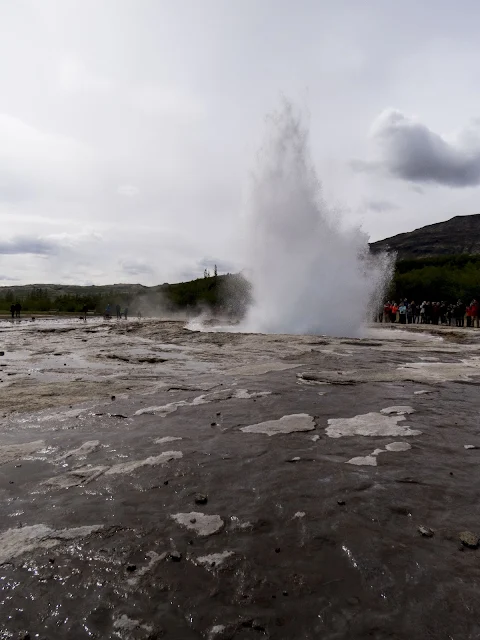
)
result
[(414, 312), (84, 312), (125, 313), (18, 309), (402, 312), (409, 313), (443, 312), (386, 312), (393, 312), (12, 310), (474, 313), (119, 313), (461, 313)]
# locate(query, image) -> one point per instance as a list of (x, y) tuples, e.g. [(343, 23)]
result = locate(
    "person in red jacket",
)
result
[(393, 312), (386, 312), (468, 312)]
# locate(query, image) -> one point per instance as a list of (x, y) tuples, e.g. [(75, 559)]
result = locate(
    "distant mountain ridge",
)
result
[(74, 289), (459, 235)]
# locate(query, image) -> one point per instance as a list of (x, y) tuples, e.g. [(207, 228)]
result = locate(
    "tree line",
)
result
[(441, 278), (227, 293)]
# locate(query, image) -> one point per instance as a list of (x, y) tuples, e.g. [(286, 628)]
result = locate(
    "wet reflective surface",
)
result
[(111, 528)]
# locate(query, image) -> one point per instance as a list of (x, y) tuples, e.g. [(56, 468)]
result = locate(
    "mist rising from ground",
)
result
[(308, 275)]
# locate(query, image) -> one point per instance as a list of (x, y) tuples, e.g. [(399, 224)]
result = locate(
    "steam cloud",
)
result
[(308, 275), (409, 150)]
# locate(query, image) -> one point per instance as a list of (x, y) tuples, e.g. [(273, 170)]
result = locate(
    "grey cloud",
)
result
[(380, 205), (136, 267), (25, 245), (417, 189), (50, 245), (409, 150)]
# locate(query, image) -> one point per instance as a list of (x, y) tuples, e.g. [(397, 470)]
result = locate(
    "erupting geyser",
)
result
[(309, 276)]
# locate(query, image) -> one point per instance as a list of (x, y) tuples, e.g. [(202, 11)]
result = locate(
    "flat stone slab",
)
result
[(9, 452), (214, 560), (369, 424), (286, 424), (151, 461), (15, 542), (399, 410), (200, 523)]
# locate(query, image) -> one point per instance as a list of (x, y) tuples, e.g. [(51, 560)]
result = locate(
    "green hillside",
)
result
[(228, 293)]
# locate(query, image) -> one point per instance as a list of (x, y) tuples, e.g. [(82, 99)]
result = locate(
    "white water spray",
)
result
[(308, 275)]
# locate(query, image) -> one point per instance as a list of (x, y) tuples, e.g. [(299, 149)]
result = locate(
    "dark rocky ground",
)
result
[(108, 531)]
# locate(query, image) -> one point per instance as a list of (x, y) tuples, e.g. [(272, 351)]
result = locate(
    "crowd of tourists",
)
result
[(458, 314)]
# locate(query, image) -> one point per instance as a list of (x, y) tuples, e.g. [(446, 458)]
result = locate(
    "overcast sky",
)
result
[(128, 128)]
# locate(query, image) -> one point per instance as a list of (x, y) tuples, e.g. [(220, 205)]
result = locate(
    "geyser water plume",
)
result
[(308, 275)]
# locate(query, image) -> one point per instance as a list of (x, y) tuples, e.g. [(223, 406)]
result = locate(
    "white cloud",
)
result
[(128, 190), (74, 76), (34, 163), (165, 101)]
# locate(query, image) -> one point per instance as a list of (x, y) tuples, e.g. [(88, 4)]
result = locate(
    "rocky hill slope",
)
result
[(460, 235)]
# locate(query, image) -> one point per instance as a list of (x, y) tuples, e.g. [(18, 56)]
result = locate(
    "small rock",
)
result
[(17, 466), (11, 482), (175, 556), (218, 413), (2, 353), (469, 539), (213, 424), (426, 532), (341, 503), (277, 550), (131, 567), (165, 482), (451, 473), (469, 446), (201, 499), (285, 593), (193, 520), (113, 397), (52, 560)]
